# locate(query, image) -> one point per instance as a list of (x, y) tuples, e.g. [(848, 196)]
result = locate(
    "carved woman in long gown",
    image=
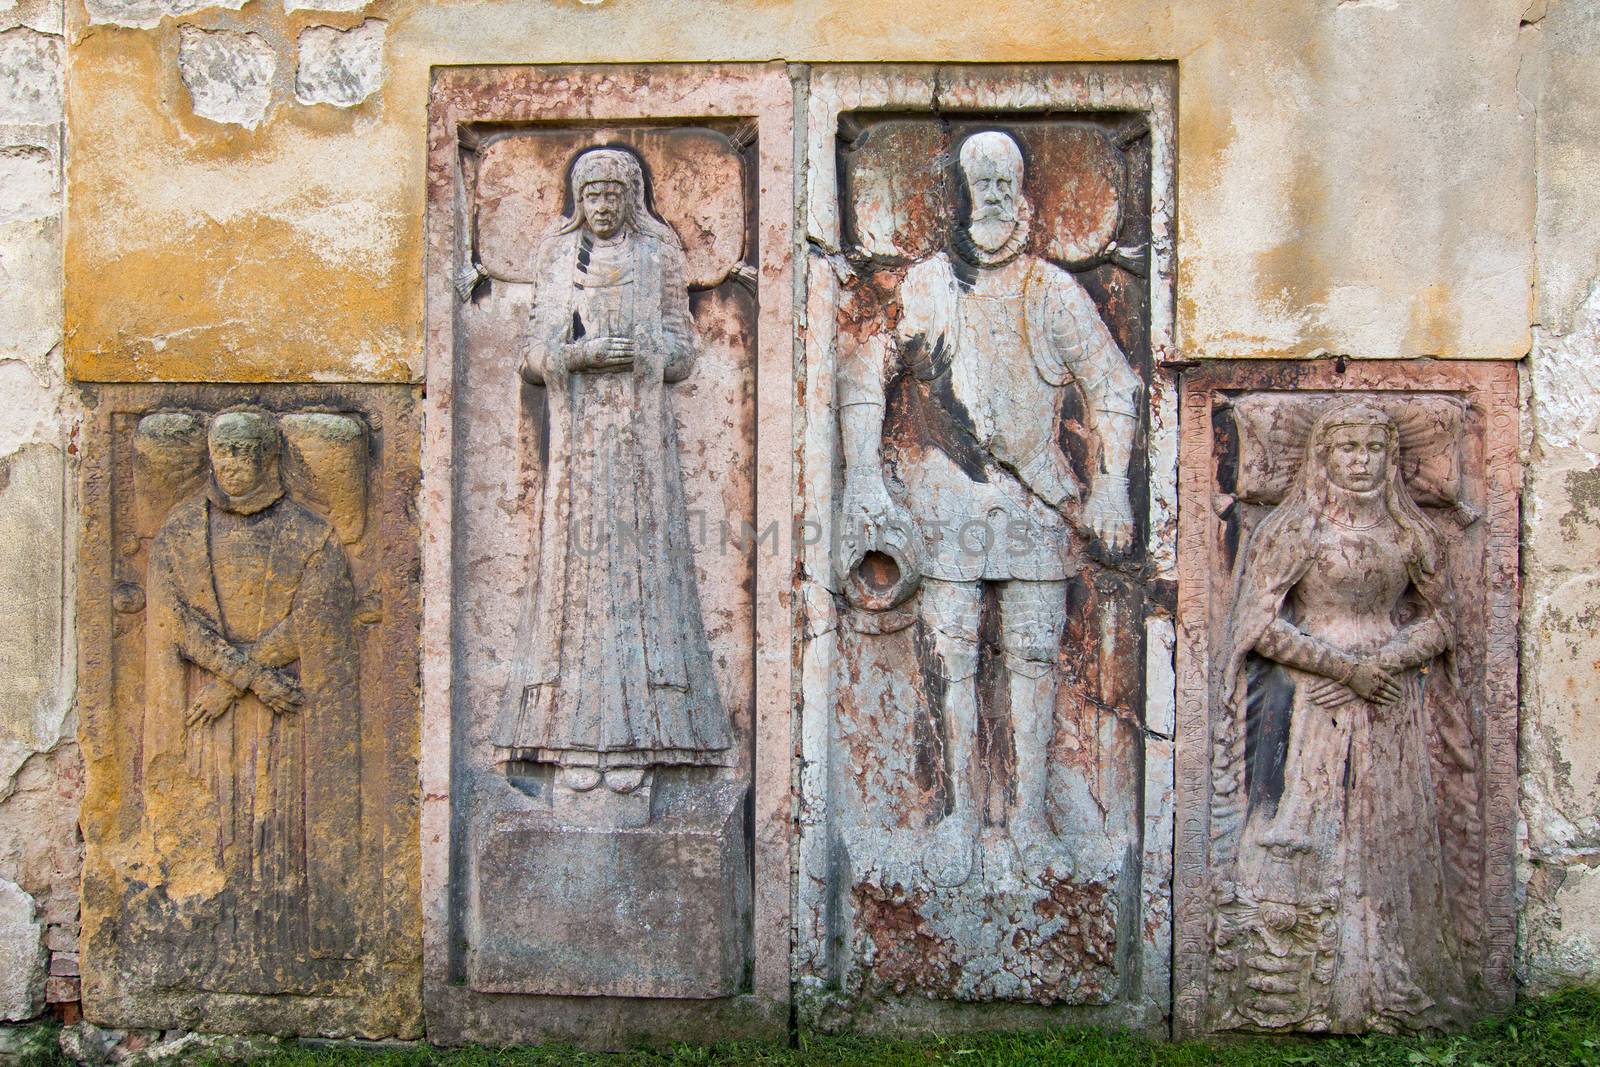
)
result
[(1338, 918), (618, 677)]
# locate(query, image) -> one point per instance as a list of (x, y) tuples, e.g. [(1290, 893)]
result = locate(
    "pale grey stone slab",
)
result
[(667, 413), (903, 879), (340, 67), (22, 955)]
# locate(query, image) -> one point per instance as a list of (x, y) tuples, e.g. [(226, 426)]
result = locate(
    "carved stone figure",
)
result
[(252, 688), (618, 679), (618, 655), (995, 337), (1335, 914)]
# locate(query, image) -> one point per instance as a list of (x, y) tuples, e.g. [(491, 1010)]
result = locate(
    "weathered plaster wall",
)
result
[(1356, 176), (40, 772), (1561, 508)]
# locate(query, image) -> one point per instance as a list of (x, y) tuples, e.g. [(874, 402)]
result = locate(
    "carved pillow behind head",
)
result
[(1272, 429), (327, 467), (169, 463)]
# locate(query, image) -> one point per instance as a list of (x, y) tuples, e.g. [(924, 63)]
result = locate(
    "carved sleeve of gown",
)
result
[(680, 345), (548, 327)]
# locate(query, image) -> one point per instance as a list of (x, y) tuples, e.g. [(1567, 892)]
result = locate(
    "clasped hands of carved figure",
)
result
[(599, 354), (1375, 680), (218, 695)]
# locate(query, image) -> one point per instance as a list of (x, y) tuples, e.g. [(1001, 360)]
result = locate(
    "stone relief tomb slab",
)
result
[(1347, 668), (606, 724), (249, 680), (987, 575)]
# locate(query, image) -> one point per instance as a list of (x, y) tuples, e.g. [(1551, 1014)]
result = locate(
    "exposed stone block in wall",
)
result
[(22, 955), (31, 715), (324, 5), (1561, 938), (1561, 609), (30, 316), (40, 849), (30, 77), (28, 185), (144, 14), (228, 74), (340, 67), (30, 244), (45, 16)]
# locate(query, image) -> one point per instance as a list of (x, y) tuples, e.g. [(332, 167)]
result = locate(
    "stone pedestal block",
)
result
[(649, 911)]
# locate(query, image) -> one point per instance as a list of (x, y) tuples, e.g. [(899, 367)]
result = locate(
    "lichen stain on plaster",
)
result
[(1583, 490)]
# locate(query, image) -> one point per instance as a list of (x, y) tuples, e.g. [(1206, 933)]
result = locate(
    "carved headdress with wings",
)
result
[(1274, 428), (1283, 443)]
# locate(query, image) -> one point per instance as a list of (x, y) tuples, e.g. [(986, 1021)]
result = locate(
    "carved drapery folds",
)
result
[(613, 676), (1347, 675)]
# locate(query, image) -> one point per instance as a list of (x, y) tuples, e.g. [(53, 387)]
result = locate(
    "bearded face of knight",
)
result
[(991, 166)]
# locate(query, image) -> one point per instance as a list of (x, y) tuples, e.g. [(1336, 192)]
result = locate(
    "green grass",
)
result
[(1558, 1029)]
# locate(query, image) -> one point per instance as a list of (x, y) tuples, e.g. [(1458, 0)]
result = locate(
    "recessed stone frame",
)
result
[(1479, 519), (747, 106)]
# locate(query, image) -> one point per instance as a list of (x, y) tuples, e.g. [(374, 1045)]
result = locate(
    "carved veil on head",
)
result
[(622, 167)]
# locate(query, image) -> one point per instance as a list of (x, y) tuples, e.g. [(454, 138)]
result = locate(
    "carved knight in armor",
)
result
[(995, 337), (618, 678)]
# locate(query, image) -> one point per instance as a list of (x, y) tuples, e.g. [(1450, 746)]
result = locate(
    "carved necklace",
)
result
[(1374, 524), (978, 257)]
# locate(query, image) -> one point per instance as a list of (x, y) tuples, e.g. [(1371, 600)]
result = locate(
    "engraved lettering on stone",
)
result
[(1343, 769), (993, 336), (251, 694), (617, 681)]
